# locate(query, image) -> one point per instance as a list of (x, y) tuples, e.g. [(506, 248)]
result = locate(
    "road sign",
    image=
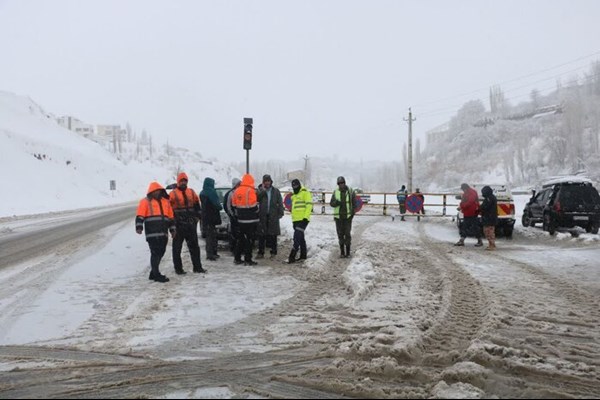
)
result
[(358, 204), (113, 185), (287, 202), (414, 204)]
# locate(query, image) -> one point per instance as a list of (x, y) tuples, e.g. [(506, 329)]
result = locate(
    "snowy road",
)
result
[(409, 315)]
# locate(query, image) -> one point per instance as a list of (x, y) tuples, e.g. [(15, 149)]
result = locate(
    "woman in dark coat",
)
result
[(211, 216), (489, 216)]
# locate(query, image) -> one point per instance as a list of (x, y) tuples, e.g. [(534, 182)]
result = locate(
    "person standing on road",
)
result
[(211, 216), (343, 200), (245, 206), (234, 229), (301, 212), (401, 196), (270, 212), (469, 205), (489, 216), (186, 206), (155, 216)]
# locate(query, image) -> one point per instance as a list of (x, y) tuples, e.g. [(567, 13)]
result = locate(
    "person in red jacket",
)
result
[(155, 216), (469, 205)]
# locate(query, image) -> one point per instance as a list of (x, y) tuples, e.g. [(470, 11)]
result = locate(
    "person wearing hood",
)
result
[(401, 196), (245, 205), (469, 205), (301, 212), (343, 200), (270, 211), (489, 216), (155, 216), (234, 230), (211, 216), (186, 206)]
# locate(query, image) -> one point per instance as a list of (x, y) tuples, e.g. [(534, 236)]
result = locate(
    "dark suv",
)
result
[(564, 205)]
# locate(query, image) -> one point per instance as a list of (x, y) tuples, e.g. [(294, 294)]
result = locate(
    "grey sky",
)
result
[(318, 77)]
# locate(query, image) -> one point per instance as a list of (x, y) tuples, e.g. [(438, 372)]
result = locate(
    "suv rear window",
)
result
[(573, 195)]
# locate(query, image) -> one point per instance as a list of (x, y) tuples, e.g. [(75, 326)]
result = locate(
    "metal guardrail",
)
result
[(386, 201)]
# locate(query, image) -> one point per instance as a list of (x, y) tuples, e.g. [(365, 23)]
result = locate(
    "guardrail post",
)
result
[(384, 204), (323, 201), (444, 209)]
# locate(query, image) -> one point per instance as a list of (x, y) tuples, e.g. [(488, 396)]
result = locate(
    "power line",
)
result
[(510, 80), (454, 107)]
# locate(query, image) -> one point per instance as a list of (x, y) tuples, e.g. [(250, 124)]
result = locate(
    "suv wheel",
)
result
[(549, 224), (508, 232), (527, 220)]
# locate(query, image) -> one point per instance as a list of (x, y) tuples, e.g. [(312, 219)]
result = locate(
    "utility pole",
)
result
[(410, 152), (305, 171)]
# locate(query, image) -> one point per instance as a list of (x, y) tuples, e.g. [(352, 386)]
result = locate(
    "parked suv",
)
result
[(564, 204), (506, 209)]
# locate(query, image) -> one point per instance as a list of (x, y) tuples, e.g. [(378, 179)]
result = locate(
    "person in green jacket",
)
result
[(343, 201), (301, 211)]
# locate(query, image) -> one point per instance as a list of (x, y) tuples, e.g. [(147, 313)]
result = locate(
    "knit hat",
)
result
[(296, 183), (267, 178), (235, 182)]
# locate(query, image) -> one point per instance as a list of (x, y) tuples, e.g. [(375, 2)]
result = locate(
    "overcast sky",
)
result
[(318, 77)]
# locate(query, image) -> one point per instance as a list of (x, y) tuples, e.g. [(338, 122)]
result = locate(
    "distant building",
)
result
[(438, 135), (75, 125), (109, 131), (298, 174)]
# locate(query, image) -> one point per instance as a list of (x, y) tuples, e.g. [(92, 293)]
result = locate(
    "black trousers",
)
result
[(189, 233), (269, 241), (158, 246), (343, 226), (211, 240), (299, 239), (402, 208), (245, 240), (470, 227)]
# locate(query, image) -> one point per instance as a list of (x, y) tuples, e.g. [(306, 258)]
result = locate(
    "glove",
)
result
[(305, 220), (139, 231), (173, 232)]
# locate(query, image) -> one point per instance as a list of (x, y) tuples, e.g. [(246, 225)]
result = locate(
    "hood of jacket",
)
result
[(154, 186), (181, 176), (209, 183), (487, 191), (247, 180)]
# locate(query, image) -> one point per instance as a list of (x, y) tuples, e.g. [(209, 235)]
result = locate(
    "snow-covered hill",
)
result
[(45, 167)]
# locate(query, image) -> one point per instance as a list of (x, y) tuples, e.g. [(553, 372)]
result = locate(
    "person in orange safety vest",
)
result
[(155, 216), (186, 206)]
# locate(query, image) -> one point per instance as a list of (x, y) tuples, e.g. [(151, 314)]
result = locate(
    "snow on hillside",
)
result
[(48, 168)]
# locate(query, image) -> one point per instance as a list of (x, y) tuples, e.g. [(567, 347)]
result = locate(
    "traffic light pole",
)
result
[(247, 161)]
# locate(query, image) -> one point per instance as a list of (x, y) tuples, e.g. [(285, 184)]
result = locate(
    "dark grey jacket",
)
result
[(270, 215)]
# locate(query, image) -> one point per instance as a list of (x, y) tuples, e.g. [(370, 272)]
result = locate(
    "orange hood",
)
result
[(182, 175), (153, 187)]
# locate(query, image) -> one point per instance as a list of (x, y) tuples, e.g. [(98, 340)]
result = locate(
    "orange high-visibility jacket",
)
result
[(155, 216)]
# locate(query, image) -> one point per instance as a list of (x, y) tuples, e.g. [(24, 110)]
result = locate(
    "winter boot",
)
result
[(461, 242), (479, 243), (161, 278), (180, 271), (302, 254), (347, 250), (292, 257), (237, 262), (151, 277), (342, 251), (250, 263), (260, 256), (491, 246), (199, 270)]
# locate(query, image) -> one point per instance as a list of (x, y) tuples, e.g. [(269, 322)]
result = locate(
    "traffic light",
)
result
[(247, 133)]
